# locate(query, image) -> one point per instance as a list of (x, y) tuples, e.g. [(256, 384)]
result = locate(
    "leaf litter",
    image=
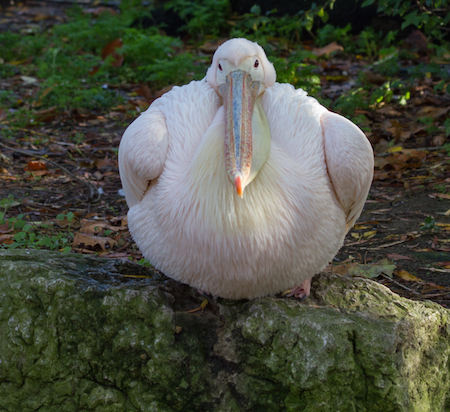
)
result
[(60, 187)]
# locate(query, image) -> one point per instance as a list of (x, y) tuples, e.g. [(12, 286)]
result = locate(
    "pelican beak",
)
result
[(244, 117)]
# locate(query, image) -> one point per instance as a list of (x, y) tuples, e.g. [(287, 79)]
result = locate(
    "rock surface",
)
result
[(76, 334)]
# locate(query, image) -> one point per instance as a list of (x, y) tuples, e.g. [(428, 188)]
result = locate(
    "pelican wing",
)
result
[(142, 153), (349, 159)]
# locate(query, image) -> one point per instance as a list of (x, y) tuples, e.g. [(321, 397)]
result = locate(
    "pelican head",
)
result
[(240, 72)]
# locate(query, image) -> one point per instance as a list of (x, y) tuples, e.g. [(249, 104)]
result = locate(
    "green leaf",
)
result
[(373, 270), (429, 223), (447, 127), (19, 237), (367, 3)]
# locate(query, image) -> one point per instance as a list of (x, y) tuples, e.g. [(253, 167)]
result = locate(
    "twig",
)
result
[(437, 270), (92, 189), (419, 149), (400, 285)]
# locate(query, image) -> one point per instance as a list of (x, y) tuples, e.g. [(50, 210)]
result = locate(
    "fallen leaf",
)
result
[(441, 195), (432, 111), (46, 115), (36, 165), (437, 270), (28, 79), (89, 240), (341, 269), (96, 11), (395, 256), (394, 149), (105, 162), (417, 40), (6, 239), (403, 274), (373, 270), (211, 46), (370, 234), (438, 140), (373, 78), (361, 227), (94, 226), (110, 50), (329, 48), (389, 111)]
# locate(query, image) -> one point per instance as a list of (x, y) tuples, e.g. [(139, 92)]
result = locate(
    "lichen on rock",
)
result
[(76, 334)]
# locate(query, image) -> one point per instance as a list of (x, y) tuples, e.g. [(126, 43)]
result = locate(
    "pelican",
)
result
[(240, 186)]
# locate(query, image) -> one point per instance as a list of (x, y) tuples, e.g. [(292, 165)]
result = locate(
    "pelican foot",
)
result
[(299, 292)]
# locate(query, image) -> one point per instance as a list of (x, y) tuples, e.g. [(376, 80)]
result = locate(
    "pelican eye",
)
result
[(256, 63), (220, 67)]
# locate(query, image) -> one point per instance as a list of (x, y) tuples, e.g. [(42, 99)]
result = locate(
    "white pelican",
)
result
[(240, 186)]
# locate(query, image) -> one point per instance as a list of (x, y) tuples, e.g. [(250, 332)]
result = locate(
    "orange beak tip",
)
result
[(239, 188)]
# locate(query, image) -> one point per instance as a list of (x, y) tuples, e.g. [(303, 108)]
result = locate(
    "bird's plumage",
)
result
[(187, 218)]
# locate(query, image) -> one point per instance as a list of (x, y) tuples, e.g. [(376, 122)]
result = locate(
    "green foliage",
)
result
[(346, 104), (428, 224), (87, 35), (205, 17), (36, 235), (69, 216), (431, 16), (292, 70), (154, 58), (15, 47), (259, 27), (144, 262), (8, 202), (67, 59), (447, 128), (330, 33)]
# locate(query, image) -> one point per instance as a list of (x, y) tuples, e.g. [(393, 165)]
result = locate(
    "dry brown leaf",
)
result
[(110, 50), (373, 78), (105, 162), (211, 46), (432, 111), (145, 91), (389, 111), (341, 269), (96, 11), (33, 165), (329, 48), (47, 115), (122, 219), (441, 195), (395, 256), (6, 239), (95, 226), (89, 240), (417, 40)]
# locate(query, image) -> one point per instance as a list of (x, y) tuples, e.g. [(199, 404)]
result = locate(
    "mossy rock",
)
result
[(79, 334)]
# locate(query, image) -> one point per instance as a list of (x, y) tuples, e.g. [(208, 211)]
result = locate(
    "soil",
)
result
[(82, 177)]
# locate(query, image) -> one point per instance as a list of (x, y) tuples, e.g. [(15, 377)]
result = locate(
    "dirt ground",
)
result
[(406, 219), (393, 216)]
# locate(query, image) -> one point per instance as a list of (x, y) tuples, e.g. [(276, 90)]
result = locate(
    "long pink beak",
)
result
[(239, 94)]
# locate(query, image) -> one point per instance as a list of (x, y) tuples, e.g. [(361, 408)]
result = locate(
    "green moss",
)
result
[(75, 337)]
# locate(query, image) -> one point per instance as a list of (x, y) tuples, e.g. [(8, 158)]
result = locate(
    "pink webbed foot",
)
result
[(301, 291)]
